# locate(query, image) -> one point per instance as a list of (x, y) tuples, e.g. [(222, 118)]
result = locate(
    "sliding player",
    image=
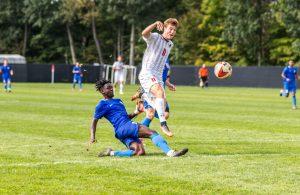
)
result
[(126, 131)]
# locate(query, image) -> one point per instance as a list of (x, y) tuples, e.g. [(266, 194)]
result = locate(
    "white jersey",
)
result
[(156, 55), (118, 66)]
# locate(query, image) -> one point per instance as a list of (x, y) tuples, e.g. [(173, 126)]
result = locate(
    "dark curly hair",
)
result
[(100, 83)]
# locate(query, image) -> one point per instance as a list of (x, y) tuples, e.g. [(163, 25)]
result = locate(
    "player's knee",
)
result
[(157, 90), (150, 114)]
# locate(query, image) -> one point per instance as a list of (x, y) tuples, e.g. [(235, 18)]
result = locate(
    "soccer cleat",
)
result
[(166, 130), (105, 152), (294, 107), (138, 94), (174, 153)]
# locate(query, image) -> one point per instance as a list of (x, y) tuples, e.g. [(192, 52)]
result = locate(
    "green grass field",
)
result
[(241, 140)]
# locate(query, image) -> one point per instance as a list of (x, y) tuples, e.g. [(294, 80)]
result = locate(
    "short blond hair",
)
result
[(171, 21)]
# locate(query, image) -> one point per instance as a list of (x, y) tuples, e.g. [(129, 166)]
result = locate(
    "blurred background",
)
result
[(243, 32)]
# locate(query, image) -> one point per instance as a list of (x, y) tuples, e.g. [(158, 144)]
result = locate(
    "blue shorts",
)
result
[(6, 79), (128, 133), (77, 79), (147, 105), (290, 86)]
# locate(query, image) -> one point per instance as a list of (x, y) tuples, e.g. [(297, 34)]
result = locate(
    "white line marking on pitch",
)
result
[(33, 164)]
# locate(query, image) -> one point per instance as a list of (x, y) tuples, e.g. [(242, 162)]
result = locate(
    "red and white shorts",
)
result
[(147, 80)]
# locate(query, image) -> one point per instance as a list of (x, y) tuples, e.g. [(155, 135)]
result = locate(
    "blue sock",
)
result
[(146, 121), (80, 85), (159, 141), (294, 100), (156, 115), (124, 153), (74, 84)]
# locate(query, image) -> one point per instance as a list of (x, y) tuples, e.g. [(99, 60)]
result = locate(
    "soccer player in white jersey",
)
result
[(155, 56), (118, 68)]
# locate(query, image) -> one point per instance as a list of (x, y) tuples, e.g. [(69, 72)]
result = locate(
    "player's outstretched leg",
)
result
[(134, 148), (158, 140), (111, 152), (149, 116), (138, 94), (159, 103)]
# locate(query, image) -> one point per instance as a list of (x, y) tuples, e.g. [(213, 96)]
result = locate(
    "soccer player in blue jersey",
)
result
[(7, 72), (77, 78), (290, 76), (126, 131)]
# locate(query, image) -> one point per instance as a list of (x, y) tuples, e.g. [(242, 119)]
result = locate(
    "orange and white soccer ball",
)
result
[(223, 70)]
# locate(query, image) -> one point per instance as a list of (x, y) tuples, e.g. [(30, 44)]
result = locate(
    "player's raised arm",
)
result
[(147, 31)]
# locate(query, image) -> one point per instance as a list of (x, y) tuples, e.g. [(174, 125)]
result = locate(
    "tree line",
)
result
[(242, 32)]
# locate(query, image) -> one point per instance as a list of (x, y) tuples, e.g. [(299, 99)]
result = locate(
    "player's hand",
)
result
[(159, 26), (172, 87)]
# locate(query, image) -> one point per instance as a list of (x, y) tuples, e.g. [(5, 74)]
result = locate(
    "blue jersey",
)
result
[(290, 73), (113, 110), (5, 71), (166, 71), (77, 68)]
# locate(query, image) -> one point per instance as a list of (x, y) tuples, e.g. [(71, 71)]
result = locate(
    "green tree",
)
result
[(247, 28), (286, 45)]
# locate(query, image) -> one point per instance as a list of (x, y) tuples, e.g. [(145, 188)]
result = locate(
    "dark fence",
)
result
[(241, 76), (180, 75), (63, 73)]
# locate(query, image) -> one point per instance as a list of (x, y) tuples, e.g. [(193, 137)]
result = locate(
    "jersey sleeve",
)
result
[(114, 65), (284, 71), (100, 110), (151, 38)]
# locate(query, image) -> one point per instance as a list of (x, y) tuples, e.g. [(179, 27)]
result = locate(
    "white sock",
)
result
[(171, 153), (160, 109), (121, 88), (112, 153)]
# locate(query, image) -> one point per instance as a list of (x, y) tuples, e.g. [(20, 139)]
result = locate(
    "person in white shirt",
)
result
[(155, 56), (118, 68)]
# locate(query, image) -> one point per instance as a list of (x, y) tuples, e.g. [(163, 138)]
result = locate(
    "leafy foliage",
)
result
[(251, 32)]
